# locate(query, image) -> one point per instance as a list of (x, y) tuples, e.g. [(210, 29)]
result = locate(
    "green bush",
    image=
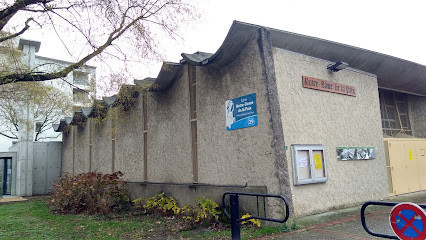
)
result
[(205, 210), (93, 193), (159, 204)]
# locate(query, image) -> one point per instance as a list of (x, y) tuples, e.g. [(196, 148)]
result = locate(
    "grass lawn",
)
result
[(33, 220)]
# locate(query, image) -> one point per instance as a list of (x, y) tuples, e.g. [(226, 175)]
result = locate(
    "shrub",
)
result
[(160, 204), (254, 222), (94, 193), (205, 210)]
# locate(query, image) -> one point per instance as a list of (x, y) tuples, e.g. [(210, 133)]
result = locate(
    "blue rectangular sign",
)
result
[(241, 112)]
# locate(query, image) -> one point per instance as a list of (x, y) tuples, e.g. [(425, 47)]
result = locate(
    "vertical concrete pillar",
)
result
[(90, 123), (270, 80), (29, 57), (113, 119), (24, 176), (145, 135), (192, 81), (25, 152)]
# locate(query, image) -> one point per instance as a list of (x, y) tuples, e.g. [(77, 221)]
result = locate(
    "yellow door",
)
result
[(398, 167), (412, 162), (421, 158), (407, 164)]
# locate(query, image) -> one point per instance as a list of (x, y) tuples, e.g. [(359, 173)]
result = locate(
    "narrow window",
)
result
[(394, 113)]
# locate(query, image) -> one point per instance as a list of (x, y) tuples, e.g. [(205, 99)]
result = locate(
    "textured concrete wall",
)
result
[(417, 108), (187, 194), (47, 166), (81, 159), (129, 142), (239, 156), (102, 146), (242, 156), (333, 120), (67, 148), (169, 149)]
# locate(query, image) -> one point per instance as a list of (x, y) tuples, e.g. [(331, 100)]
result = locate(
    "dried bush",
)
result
[(92, 193)]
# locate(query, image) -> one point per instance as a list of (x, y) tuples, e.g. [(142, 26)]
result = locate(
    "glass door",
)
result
[(6, 175)]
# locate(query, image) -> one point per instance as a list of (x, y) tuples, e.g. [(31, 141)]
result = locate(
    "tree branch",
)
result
[(27, 26), (8, 136), (7, 13), (124, 23)]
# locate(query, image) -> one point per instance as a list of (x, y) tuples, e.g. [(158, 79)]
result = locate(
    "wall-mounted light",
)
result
[(337, 66)]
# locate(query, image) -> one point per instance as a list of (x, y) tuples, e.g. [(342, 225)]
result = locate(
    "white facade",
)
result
[(76, 85)]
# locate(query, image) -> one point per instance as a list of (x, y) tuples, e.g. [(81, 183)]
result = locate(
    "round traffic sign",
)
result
[(408, 221)]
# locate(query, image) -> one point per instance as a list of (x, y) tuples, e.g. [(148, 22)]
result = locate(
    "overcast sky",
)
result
[(392, 27)]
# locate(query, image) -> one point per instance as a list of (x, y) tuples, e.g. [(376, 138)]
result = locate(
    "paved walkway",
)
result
[(6, 199), (346, 223)]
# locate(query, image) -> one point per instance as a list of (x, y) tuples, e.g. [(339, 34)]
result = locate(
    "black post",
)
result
[(235, 215)]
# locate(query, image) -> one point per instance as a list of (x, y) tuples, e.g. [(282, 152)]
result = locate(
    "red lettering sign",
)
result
[(328, 86)]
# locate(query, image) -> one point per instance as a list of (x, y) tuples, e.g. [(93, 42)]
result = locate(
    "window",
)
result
[(80, 78), (394, 113), (309, 164), (80, 96), (38, 127)]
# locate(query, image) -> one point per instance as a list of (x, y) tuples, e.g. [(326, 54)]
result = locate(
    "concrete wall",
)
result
[(24, 167), (238, 158), (417, 109), (81, 155), (47, 166), (102, 144), (187, 193), (333, 120), (169, 139), (242, 156), (67, 152), (36, 174), (129, 142)]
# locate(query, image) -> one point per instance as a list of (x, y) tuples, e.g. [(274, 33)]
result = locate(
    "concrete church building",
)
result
[(271, 111)]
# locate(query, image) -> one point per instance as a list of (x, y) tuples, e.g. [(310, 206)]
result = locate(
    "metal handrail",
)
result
[(389, 204), (287, 209), (234, 208)]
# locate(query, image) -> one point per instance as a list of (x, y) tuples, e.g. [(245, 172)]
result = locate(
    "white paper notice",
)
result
[(302, 161)]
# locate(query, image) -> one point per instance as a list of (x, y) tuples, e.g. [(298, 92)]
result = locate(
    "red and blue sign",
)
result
[(408, 221)]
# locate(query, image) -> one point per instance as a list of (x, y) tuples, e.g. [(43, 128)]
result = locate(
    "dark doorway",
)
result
[(6, 175)]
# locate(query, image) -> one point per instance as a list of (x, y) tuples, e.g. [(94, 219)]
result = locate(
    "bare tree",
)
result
[(123, 29), (48, 105)]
